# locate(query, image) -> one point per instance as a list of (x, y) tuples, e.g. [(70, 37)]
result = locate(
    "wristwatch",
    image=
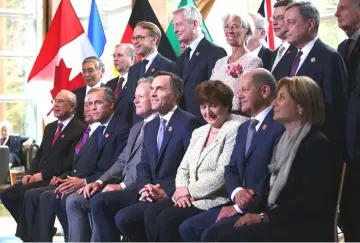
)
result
[(264, 218)]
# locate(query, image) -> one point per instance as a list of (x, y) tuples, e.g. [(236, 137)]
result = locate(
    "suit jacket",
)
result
[(124, 103), (80, 97), (248, 170), (352, 91), (326, 67), (124, 168), (266, 55), (92, 162), (284, 64), (160, 168), (15, 143), (52, 161), (202, 169), (309, 197), (198, 70)]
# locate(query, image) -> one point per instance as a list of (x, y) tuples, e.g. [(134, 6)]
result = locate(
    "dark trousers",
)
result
[(350, 201), (192, 229), (30, 211), (44, 222), (103, 208), (58, 206), (13, 197), (162, 220)]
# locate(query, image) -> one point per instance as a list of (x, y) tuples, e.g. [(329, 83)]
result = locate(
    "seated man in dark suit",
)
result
[(146, 38), (249, 161), (347, 14), (257, 42), (121, 176), (124, 57), (318, 61), (166, 139), (14, 142), (196, 63), (100, 153), (93, 69), (55, 149)]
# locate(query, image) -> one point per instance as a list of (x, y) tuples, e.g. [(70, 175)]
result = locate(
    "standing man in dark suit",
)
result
[(257, 42), (348, 16), (166, 139), (320, 62), (121, 176), (146, 39), (196, 63), (279, 30), (124, 57), (93, 69), (249, 160), (55, 149)]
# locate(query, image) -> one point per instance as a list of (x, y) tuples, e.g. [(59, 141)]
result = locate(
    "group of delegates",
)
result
[(215, 147)]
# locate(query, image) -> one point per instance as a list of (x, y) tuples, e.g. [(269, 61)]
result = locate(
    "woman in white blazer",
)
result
[(200, 183)]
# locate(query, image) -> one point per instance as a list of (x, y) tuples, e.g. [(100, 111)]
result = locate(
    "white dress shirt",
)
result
[(150, 59), (194, 45), (97, 85), (305, 51)]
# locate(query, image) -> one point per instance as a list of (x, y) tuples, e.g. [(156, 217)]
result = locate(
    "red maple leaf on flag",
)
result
[(61, 80)]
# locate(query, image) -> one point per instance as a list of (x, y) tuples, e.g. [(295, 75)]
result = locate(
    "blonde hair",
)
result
[(153, 28), (308, 94)]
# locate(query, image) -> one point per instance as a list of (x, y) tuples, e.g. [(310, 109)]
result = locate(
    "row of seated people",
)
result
[(172, 178)]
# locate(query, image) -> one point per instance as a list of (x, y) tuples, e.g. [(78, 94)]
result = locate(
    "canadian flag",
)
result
[(65, 47)]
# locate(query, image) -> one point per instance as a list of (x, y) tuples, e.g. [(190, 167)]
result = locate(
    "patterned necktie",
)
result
[(83, 140), (250, 134), (3, 140), (295, 63), (100, 136), (160, 135), (118, 88), (143, 63), (139, 137), (57, 134)]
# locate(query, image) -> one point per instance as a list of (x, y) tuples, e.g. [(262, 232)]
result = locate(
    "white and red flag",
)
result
[(65, 47)]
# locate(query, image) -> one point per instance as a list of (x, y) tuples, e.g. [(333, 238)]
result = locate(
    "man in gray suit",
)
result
[(121, 176)]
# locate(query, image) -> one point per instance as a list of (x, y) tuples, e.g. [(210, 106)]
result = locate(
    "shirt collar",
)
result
[(108, 121), (151, 58), (307, 48), (194, 44), (261, 117), (168, 116), (66, 121), (285, 44), (355, 35), (150, 118), (125, 76), (93, 127), (97, 85), (257, 50)]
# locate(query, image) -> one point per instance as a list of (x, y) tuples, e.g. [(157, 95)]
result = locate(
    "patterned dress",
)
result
[(248, 61)]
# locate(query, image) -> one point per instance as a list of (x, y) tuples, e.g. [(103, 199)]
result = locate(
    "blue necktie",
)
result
[(250, 134), (100, 136), (160, 135)]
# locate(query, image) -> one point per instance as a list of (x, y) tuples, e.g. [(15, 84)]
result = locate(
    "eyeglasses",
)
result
[(90, 70), (58, 101), (277, 18), (138, 38)]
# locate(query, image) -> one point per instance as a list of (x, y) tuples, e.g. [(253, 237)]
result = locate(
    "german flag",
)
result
[(143, 11)]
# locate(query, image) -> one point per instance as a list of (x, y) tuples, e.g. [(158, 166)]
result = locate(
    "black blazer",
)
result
[(161, 168), (91, 163), (80, 97), (199, 70), (51, 161), (283, 67), (266, 55), (352, 91), (15, 143), (124, 103), (308, 200)]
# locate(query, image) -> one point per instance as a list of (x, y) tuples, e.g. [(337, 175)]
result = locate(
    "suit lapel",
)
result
[(50, 136), (283, 67), (212, 145), (153, 66), (168, 133), (135, 146), (108, 133), (194, 59), (64, 134), (264, 128), (310, 60), (262, 52), (122, 93)]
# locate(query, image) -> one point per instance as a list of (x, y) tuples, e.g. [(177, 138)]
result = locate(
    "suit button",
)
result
[(74, 170)]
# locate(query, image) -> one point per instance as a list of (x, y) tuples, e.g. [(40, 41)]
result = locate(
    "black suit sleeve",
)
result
[(36, 160)]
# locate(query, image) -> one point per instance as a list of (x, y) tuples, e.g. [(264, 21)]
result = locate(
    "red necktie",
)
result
[(118, 87), (3, 140), (57, 134)]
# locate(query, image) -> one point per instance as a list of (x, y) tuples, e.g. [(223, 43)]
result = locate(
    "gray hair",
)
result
[(261, 77), (307, 11), (246, 21), (70, 96), (356, 4), (108, 93), (191, 13), (8, 125), (99, 65), (177, 83), (145, 80), (261, 22), (130, 50)]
